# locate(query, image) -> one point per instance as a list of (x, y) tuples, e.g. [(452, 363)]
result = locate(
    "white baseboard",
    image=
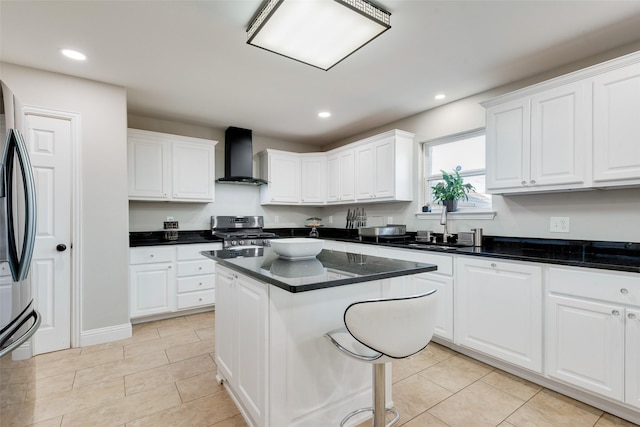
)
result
[(103, 335)]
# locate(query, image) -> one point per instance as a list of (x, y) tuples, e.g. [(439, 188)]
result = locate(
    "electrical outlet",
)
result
[(559, 224), (389, 220), (276, 219), (330, 219)]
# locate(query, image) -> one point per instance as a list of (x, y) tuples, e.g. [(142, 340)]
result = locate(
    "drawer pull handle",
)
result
[(199, 299), (615, 312), (151, 255), (199, 268), (200, 284), (168, 266), (631, 316), (494, 265), (624, 291)]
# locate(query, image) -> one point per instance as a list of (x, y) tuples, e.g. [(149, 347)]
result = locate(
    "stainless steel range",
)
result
[(241, 231)]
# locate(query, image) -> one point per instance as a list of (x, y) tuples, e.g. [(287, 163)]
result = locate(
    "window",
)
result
[(464, 153)]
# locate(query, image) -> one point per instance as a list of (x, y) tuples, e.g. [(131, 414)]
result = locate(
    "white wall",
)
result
[(104, 245)]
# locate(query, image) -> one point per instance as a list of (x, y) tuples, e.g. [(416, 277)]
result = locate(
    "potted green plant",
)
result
[(450, 190)]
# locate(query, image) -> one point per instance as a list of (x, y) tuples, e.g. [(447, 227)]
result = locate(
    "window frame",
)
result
[(426, 177)]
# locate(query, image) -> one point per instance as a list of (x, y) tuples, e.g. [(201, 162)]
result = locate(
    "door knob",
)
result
[(61, 247)]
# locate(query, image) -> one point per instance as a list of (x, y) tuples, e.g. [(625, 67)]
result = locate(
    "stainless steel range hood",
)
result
[(238, 158)]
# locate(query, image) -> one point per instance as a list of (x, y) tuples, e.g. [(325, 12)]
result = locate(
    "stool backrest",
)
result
[(395, 327)]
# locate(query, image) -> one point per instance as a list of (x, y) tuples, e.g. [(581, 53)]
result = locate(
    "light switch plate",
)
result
[(559, 224)]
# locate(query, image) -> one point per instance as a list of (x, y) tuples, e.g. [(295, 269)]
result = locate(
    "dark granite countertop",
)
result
[(328, 269), (619, 256), (156, 238)]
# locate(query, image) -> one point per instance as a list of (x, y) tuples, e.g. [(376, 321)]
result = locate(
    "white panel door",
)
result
[(508, 144), (499, 310), (365, 177), (153, 289), (192, 171), (49, 141), (314, 179), (585, 344), (616, 102), (385, 169), (559, 143), (148, 167), (632, 350)]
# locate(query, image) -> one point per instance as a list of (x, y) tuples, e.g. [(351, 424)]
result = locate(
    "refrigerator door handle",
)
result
[(20, 266), (7, 345)]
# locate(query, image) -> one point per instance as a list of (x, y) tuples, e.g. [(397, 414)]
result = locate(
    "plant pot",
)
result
[(452, 205)]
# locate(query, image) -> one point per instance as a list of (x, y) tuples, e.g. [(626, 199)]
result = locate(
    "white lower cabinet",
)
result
[(499, 310), (152, 281), (241, 341), (593, 331), (164, 279), (441, 279)]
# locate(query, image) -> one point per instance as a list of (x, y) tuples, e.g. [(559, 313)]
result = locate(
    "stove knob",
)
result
[(241, 242), (233, 243), (253, 242)]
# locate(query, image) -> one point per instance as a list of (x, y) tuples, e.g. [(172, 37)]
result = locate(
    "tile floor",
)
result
[(165, 376)]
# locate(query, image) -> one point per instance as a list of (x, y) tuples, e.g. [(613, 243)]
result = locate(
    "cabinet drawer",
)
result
[(621, 288), (195, 299), (444, 262), (151, 254), (187, 252), (192, 268), (196, 283)]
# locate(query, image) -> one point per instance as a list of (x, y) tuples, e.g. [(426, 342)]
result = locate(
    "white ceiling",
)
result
[(188, 61)]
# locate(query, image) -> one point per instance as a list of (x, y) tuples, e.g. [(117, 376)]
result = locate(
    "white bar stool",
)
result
[(380, 331)]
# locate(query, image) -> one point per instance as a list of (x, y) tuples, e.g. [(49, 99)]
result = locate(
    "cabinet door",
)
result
[(365, 173), (384, 169), (559, 136), (152, 289), (499, 310), (444, 285), (226, 326), (333, 177), (284, 178), (192, 172), (148, 168), (585, 344), (314, 179), (616, 102), (251, 350), (508, 144), (347, 175), (632, 350)]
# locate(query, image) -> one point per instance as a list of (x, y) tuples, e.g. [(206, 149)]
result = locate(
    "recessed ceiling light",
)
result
[(73, 54), (324, 114), (440, 96)]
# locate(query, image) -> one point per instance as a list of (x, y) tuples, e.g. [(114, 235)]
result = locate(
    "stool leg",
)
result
[(379, 398)]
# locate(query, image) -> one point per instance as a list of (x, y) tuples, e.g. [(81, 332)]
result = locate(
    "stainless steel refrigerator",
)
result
[(19, 319)]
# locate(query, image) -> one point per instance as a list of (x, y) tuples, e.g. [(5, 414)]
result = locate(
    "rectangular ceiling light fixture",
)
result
[(320, 33)]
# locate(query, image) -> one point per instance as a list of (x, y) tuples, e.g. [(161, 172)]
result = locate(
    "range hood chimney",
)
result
[(238, 158)]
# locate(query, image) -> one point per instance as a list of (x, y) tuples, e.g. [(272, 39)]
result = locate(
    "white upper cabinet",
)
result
[(539, 142), (281, 170), (379, 168), (616, 127), (165, 167), (313, 178), (573, 132), (293, 178)]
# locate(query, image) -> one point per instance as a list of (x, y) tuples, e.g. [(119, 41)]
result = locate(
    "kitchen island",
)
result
[(271, 315)]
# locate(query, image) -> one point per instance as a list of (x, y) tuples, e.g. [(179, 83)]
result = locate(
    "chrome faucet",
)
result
[(443, 221)]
